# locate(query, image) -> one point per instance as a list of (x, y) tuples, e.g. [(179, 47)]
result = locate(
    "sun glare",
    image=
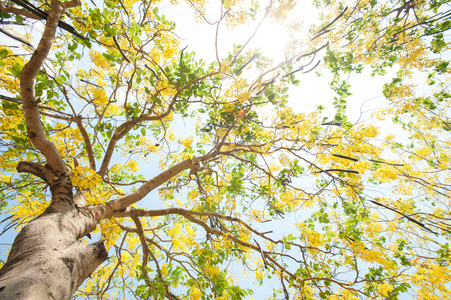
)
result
[(272, 39)]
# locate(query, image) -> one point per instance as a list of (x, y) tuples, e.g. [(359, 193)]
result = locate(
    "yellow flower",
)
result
[(195, 294), (385, 289), (164, 269), (133, 165), (100, 97), (188, 141), (170, 135)]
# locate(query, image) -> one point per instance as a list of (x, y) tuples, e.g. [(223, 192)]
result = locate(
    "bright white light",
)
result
[(271, 38)]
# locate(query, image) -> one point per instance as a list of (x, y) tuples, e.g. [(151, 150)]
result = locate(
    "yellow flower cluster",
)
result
[(225, 66), (237, 91), (128, 264), (147, 145), (311, 237), (403, 91), (182, 236), (433, 282), (373, 228), (386, 174), (28, 207), (164, 269), (170, 135), (283, 159), (212, 270), (67, 140), (385, 289), (99, 60), (84, 178), (9, 82), (110, 231), (374, 255), (112, 110), (188, 141), (170, 43), (133, 165), (99, 95), (343, 295), (257, 215), (236, 17), (195, 294), (10, 118), (416, 55), (259, 275)]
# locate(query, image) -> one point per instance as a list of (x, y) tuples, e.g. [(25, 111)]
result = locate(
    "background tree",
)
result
[(108, 80)]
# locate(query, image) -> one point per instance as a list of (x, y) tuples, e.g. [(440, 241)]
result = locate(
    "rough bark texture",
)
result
[(47, 259)]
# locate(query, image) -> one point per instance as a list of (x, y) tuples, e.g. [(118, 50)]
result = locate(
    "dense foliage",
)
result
[(209, 172)]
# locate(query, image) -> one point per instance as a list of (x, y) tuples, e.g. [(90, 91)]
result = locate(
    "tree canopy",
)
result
[(201, 179)]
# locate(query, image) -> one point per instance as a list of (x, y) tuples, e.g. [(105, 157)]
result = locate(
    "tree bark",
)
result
[(47, 259)]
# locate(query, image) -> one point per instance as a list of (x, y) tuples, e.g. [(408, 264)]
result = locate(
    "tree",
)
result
[(66, 118)]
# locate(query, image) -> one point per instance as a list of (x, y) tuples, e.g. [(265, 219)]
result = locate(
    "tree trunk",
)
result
[(47, 259)]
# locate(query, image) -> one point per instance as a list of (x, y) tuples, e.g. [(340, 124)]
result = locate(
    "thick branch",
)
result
[(34, 169), (18, 11), (27, 80), (120, 204)]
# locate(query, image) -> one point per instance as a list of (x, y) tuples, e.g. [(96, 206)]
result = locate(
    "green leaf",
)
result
[(19, 19), (109, 57), (9, 105), (3, 53), (137, 40), (95, 16), (4, 15), (271, 97), (16, 69), (445, 25)]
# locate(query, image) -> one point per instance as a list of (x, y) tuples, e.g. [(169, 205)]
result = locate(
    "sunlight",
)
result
[(272, 39)]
